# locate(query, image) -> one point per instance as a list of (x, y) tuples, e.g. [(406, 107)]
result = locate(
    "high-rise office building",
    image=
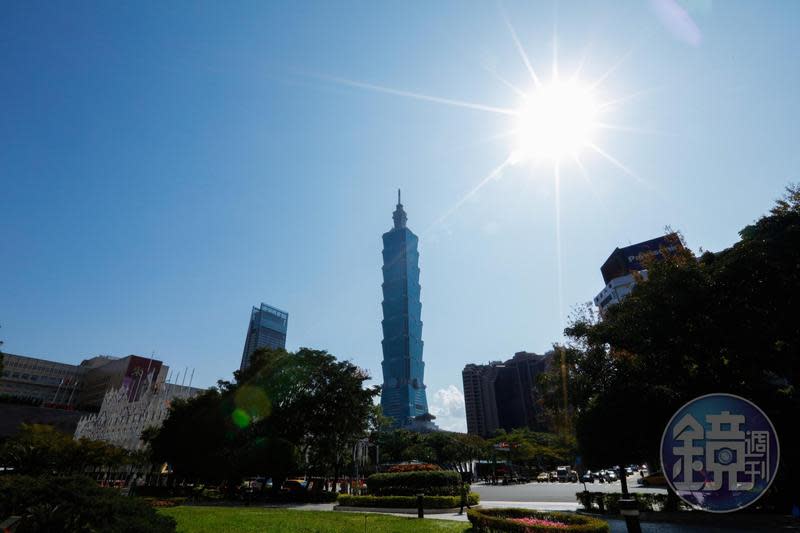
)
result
[(479, 398), (625, 265), (267, 329), (503, 395), (403, 396)]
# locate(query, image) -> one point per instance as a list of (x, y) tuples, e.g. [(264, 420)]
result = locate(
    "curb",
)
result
[(757, 522), (396, 510)]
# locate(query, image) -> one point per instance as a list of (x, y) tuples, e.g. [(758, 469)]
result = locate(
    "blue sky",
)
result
[(164, 167)]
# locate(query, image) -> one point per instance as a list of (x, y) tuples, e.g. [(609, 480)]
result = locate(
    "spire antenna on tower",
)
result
[(399, 214)]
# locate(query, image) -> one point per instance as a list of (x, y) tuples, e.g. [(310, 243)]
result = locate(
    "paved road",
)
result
[(552, 492)]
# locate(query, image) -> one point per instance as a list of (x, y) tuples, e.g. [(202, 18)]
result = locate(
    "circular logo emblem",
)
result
[(719, 453)]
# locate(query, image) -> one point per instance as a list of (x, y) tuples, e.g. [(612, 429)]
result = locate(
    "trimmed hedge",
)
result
[(406, 502), (309, 496), (429, 483), (608, 502), (500, 520)]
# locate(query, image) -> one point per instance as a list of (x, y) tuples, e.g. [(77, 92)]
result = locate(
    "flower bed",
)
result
[(414, 467), (405, 502), (539, 522), (528, 521), (164, 502)]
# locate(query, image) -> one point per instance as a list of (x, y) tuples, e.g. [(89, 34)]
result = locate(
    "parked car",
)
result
[(553, 476), (655, 479), (543, 477), (294, 486), (588, 477), (257, 484), (611, 476)]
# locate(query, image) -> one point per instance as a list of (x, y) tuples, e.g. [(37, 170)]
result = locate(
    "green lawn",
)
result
[(240, 519)]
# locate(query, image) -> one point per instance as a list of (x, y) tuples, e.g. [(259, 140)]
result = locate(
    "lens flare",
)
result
[(252, 405), (240, 418)]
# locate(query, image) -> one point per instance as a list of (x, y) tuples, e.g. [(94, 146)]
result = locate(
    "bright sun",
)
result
[(557, 120)]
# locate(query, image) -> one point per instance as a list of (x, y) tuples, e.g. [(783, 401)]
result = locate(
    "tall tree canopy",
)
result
[(284, 412), (723, 322)]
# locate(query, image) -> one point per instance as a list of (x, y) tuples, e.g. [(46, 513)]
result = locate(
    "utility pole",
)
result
[(564, 389), (355, 462)]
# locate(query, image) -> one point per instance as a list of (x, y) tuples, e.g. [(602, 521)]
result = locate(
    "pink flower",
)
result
[(540, 523)]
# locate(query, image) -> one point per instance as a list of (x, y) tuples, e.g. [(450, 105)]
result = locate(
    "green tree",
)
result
[(198, 438), (283, 407), (723, 322), (394, 444), (337, 408), (39, 449), (529, 450)]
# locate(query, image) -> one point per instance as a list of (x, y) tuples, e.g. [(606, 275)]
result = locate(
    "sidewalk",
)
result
[(697, 524), (679, 523), (540, 506)]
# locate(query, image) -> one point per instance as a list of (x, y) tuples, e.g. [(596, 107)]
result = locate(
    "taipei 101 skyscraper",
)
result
[(403, 395)]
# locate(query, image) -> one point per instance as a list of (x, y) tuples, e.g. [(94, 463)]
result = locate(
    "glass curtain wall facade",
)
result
[(403, 396), (267, 329)]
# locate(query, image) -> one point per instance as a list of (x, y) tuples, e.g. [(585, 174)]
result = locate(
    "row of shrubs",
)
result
[(429, 483), (528, 521), (200, 493), (75, 504), (405, 502), (608, 502)]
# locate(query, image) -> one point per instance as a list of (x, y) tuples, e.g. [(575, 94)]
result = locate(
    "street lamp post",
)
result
[(628, 506)]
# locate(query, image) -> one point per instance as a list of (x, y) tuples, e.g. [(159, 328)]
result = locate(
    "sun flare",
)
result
[(554, 122), (557, 120), (550, 128)]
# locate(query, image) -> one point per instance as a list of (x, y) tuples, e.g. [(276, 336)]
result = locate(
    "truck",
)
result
[(562, 473)]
